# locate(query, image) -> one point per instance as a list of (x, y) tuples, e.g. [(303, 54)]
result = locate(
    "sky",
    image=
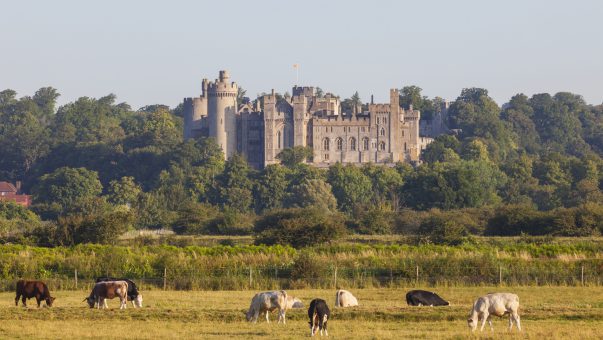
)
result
[(157, 52)]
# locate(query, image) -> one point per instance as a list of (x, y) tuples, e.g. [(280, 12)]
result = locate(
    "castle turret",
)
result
[(222, 110)]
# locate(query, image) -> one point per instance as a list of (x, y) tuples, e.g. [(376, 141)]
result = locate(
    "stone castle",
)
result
[(381, 133)]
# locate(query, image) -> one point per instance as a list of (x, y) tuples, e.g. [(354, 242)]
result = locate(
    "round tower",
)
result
[(222, 110)]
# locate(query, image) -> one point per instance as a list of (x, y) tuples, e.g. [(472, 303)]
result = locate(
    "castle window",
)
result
[(365, 143), (326, 129), (404, 146), (353, 144), (382, 132), (402, 133), (325, 144), (384, 120), (378, 120), (362, 129), (382, 146), (278, 138), (325, 156), (339, 143)]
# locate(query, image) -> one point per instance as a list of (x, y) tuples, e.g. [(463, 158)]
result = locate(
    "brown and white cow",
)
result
[(293, 302), (108, 290), (29, 289), (265, 303)]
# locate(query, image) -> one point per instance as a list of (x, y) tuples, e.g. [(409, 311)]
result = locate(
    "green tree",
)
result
[(271, 188), (68, 186), (351, 187), (124, 191), (313, 192), (290, 157)]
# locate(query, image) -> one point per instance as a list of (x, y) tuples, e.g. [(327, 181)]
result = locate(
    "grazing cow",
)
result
[(293, 302), (424, 298), (319, 314), (133, 293), (343, 298), (497, 304), (29, 289), (266, 302), (108, 290)]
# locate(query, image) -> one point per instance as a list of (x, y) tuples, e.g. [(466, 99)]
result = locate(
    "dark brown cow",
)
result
[(28, 289)]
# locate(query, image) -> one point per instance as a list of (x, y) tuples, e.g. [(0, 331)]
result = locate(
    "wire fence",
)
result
[(275, 277)]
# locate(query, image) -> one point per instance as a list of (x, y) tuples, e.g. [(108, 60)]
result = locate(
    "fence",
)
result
[(274, 277)]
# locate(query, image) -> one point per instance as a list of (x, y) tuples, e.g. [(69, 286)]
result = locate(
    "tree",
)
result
[(350, 186), (68, 186), (313, 192), (46, 98), (290, 157), (124, 191), (270, 190)]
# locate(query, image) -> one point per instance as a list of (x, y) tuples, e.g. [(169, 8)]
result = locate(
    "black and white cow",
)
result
[(319, 314), (424, 298), (133, 293)]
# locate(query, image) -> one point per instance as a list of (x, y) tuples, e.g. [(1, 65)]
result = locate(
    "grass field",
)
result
[(547, 313)]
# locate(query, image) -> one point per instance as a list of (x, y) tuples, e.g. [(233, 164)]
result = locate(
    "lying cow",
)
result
[(266, 302), (293, 302), (424, 298), (319, 314), (133, 293), (29, 289), (497, 304), (108, 290), (343, 298)]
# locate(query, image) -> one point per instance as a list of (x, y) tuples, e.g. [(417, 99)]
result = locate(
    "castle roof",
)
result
[(7, 187)]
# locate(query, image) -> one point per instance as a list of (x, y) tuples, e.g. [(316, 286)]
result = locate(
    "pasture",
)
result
[(546, 313)]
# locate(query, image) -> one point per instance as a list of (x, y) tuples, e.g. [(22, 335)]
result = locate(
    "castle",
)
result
[(381, 133)]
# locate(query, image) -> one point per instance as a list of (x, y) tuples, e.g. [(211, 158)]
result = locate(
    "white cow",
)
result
[(343, 298), (497, 304), (265, 303), (293, 302)]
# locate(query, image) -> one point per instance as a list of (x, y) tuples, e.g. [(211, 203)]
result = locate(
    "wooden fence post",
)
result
[(250, 278), (335, 278), (75, 276), (582, 275), (500, 275), (164, 278), (417, 274)]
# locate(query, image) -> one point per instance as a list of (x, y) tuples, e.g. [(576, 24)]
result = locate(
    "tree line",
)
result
[(96, 168)]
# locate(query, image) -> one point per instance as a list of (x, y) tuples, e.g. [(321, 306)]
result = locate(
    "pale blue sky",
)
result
[(149, 52)]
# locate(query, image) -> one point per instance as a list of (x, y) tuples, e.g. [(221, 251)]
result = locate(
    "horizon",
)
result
[(152, 53)]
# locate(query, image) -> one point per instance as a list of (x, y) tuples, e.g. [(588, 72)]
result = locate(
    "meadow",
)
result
[(548, 312)]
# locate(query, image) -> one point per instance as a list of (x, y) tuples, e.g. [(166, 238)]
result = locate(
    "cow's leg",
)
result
[(490, 323), (517, 322), (484, 319), (38, 300), (17, 299), (24, 301)]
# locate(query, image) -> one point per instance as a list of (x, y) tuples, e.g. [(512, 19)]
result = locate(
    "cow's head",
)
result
[(90, 300), (49, 301), (138, 301), (248, 314), (472, 323)]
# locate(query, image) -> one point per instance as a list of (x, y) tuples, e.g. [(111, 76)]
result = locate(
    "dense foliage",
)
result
[(96, 168)]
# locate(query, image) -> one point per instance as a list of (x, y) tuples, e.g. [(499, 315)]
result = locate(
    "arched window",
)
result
[(365, 143), (278, 138), (382, 132), (339, 143), (325, 144), (404, 146), (382, 146), (353, 144)]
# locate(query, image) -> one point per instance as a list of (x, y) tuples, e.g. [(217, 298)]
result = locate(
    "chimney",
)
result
[(372, 102)]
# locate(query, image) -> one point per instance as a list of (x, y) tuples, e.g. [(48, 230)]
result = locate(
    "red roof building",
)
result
[(9, 192)]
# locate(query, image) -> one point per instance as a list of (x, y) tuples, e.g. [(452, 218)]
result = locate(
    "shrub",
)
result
[(440, 228), (299, 227)]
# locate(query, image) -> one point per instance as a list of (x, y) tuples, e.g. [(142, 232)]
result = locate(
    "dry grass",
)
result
[(547, 313)]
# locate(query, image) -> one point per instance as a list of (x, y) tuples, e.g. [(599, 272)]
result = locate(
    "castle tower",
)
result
[(395, 117), (222, 111)]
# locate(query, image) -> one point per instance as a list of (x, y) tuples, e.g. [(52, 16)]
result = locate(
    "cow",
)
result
[(266, 302), (293, 302), (133, 293), (343, 298), (319, 314), (497, 304), (108, 290), (424, 298), (28, 289)]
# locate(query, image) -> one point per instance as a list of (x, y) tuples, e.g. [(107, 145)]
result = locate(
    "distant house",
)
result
[(9, 192)]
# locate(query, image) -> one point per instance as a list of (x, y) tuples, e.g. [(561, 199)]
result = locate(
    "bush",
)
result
[(374, 221), (299, 227), (442, 228)]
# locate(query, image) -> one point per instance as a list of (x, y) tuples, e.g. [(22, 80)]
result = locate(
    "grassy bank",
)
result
[(547, 313), (482, 262)]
